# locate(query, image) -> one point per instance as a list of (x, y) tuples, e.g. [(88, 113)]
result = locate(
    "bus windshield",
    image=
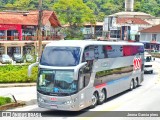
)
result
[(60, 56), (57, 82)]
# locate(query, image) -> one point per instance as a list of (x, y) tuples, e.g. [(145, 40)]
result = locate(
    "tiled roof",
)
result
[(126, 20), (154, 29), (29, 18)]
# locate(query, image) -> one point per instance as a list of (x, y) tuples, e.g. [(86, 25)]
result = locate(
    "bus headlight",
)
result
[(68, 102), (40, 99)]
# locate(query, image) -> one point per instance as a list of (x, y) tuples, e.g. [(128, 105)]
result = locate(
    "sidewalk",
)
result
[(24, 93), (4, 85)]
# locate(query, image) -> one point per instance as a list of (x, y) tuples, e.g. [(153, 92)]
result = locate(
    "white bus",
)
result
[(74, 75)]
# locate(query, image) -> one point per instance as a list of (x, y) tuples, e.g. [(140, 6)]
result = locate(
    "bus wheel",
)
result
[(94, 100), (102, 97), (131, 85), (135, 83)]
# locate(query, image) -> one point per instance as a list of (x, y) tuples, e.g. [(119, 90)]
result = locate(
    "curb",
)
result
[(31, 102), (17, 85), (12, 105)]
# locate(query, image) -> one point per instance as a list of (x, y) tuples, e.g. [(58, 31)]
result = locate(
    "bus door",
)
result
[(84, 90)]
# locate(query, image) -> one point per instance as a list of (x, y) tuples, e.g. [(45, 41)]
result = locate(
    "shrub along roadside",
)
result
[(4, 100), (17, 74), (156, 55)]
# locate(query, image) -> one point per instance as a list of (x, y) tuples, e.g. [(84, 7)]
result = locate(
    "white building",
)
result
[(151, 37), (126, 25)]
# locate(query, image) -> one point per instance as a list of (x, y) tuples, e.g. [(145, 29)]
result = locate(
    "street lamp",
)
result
[(40, 11)]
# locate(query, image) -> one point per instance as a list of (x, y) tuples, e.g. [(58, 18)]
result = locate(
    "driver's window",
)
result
[(46, 80)]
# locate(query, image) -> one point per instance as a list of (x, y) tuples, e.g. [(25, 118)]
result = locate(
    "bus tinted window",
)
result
[(93, 52), (60, 56), (132, 50), (112, 51)]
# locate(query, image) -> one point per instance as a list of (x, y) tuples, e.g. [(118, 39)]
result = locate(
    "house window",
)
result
[(2, 50), (154, 37), (2, 34), (115, 34)]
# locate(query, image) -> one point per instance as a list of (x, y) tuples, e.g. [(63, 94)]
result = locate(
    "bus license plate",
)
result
[(54, 106)]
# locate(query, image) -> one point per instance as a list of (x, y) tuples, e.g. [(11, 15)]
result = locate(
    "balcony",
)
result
[(29, 38)]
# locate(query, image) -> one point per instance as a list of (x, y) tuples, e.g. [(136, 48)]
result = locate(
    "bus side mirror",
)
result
[(81, 71), (30, 68)]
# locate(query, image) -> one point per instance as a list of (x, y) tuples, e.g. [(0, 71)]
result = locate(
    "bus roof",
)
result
[(83, 43)]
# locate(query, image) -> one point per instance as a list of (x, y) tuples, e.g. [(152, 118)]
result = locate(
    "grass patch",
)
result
[(4, 100)]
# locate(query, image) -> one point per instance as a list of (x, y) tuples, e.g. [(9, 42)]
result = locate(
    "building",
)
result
[(89, 30), (126, 25), (92, 30), (124, 28), (18, 31), (151, 37)]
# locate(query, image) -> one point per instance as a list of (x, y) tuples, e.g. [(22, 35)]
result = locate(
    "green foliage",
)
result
[(4, 100), (75, 13), (151, 7), (16, 74), (76, 10)]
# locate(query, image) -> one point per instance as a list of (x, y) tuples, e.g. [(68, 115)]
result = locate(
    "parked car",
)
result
[(5, 59), (29, 58), (148, 63), (18, 58)]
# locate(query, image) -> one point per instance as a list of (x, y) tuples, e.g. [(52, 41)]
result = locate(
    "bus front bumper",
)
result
[(58, 107), (66, 103)]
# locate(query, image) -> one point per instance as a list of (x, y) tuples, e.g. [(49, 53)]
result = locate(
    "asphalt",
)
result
[(4, 85)]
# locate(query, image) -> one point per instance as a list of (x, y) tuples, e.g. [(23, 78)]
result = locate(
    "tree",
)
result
[(22, 3), (75, 13), (148, 6)]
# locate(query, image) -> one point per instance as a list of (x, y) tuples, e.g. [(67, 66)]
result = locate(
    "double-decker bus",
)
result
[(74, 75)]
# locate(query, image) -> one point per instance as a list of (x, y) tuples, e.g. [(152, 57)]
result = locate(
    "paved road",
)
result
[(144, 98), (20, 93)]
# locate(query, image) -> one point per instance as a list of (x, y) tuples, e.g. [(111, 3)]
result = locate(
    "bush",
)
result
[(16, 74), (156, 55), (4, 100)]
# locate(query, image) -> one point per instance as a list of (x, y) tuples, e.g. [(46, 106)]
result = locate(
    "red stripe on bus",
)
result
[(99, 86)]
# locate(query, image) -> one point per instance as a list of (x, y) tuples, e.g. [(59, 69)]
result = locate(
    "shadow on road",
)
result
[(120, 94), (51, 113)]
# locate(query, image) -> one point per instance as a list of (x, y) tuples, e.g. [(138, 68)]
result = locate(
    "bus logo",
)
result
[(53, 99), (137, 63)]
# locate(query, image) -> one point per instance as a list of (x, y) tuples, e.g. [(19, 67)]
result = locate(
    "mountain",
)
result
[(101, 8)]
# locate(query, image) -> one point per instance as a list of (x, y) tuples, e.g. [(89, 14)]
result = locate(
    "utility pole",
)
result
[(40, 11)]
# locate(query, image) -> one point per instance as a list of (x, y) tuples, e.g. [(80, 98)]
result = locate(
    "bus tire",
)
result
[(94, 100), (135, 83), (102, 97), (131, 85)]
